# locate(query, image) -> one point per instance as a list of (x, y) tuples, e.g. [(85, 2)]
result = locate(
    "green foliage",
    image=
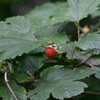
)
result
[(80, 9), (6, 94), (95, 14), (54, 79), (22, 77), (15, 38), (31, 63), (60, 38), (43, 12), (97, 75), (16, 24), (90, 41), (15, 44), (39, 15), (34, 76)]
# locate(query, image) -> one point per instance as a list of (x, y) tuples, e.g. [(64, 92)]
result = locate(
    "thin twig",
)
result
[(21, 84), (90, 64), (6, 81), (14, 79), (30, 74), (73, 54), (85, 60), (92, 93), (50, 61)]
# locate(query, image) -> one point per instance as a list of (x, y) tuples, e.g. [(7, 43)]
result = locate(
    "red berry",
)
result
[(50, 52)]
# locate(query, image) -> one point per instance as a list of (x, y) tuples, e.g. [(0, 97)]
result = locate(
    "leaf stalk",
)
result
[(6, 81)]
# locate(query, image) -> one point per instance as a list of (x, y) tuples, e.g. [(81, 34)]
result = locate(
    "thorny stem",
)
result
[(6, 81)]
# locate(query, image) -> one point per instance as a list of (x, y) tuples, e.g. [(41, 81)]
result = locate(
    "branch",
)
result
[(6, 81), (92, 93), (50, 61), (14, 79), (84, 60)]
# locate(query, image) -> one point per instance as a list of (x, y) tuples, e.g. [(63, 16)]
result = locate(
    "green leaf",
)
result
[(81, 8), (22, 77), (42, 13), (97, 75), (59, 15), (15, 44), (59, 38), (17, 24), (59, 88), (58, 28), (38, 50), (89, 41), (31, 63), (73, 54), (95, 14), (96, 51), (19, 91), (55, 79), (17, 38), (75, 74), (74, 10)]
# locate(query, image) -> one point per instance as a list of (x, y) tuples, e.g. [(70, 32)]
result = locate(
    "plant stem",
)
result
[(85, 60), (92, 93), (6, 81), (78, 27), (30, 74), (78, 30)]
